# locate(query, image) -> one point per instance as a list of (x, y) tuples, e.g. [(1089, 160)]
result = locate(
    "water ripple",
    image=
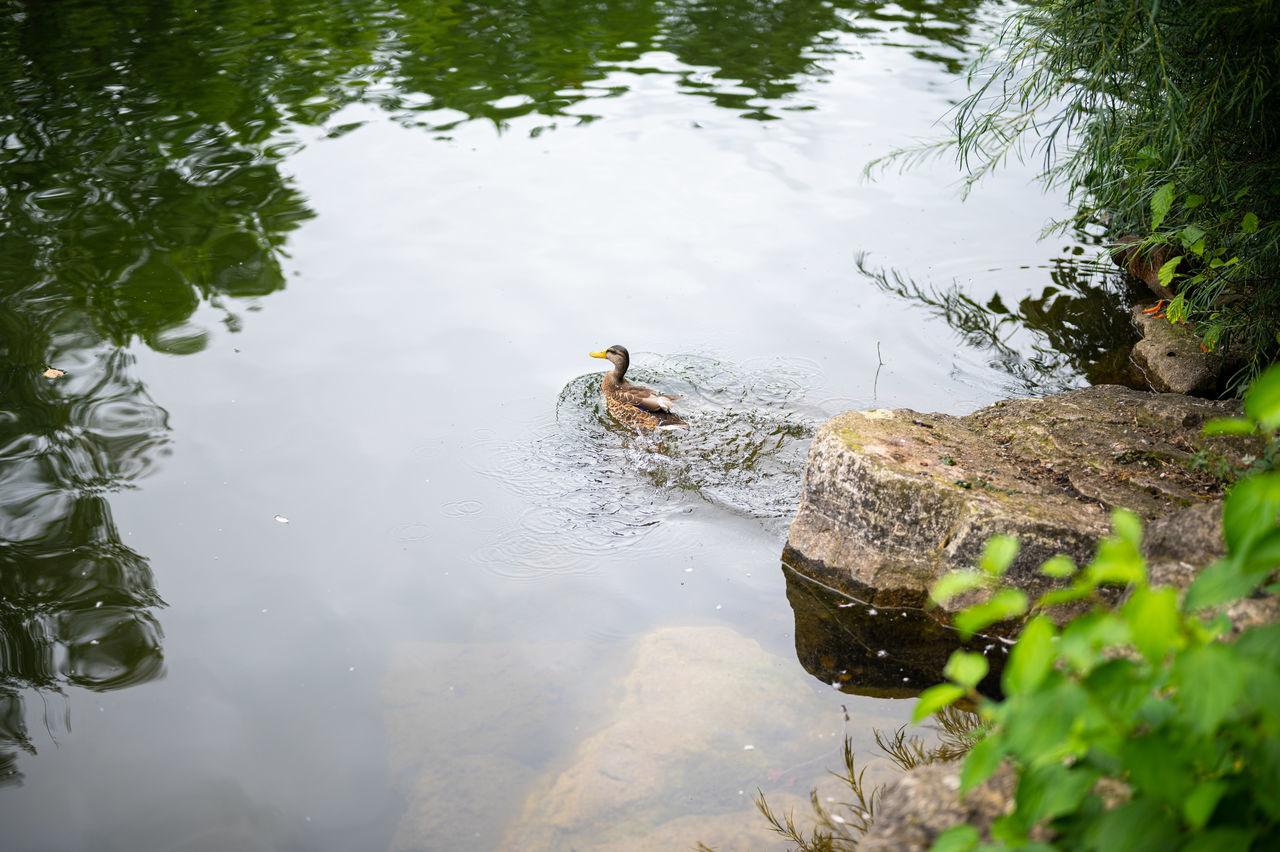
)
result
[(593, 485)]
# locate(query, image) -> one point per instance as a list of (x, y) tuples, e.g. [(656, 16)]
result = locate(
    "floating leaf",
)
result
[(53, 373)]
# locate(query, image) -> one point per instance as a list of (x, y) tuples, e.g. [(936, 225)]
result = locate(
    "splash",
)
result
[(594, 485)]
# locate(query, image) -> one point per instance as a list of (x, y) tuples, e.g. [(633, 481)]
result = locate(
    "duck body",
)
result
[(639, 407)]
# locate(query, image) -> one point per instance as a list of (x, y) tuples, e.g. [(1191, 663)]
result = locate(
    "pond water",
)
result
[(315, 533)]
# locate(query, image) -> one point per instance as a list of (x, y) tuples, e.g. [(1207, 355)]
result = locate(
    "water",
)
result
[(324, 541)]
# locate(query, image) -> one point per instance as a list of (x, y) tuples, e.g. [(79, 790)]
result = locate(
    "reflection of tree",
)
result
[(140, 152), (135, 182), (75, 602), (1079, 324)]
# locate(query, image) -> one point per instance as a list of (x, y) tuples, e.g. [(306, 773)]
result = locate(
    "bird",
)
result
[(638, 407)]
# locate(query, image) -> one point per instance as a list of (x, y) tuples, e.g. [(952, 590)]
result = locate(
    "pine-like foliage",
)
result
[(1163, 119)]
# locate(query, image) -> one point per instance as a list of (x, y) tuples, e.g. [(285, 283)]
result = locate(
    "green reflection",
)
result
[(1078, 326), (141, 150)]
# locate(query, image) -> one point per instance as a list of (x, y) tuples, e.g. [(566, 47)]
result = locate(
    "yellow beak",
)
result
[(598, 354)]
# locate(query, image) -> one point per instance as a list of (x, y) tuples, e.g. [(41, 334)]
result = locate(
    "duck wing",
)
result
[(647, 398)]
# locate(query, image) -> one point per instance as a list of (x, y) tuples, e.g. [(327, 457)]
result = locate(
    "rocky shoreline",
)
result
[(894, 499)]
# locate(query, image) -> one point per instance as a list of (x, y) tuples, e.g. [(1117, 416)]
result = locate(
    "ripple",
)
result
[(594, 486), (462, 508)]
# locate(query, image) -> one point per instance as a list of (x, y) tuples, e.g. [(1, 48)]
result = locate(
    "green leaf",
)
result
[(1176, 310), (1127, 526), (1222, 840), (1210, 680), (1168, 269), (1138, 826), (1160, 204), (955, 583), (1075, 592), (966, 669), (1059, 566), (1003, 605), (1118, 563), (998, 554), (1083, 640), (1193, 201), (1263, 554), (1038, 726), (1249, 223), (1250, 511), (1262, 400), (1228, 426), (981, 762), (1222, 582), (1198, 806), (957, 838), (1157, 768), (1262, 642), (1153, 621), (1050, 790), (1031, 658), (935, 698), (1190, 235)]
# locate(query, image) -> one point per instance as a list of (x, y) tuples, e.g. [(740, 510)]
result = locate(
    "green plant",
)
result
[(838, 827), (1160, 118), (1135, 728)]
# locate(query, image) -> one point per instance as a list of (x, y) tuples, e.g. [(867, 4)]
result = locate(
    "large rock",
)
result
[(894, 499)]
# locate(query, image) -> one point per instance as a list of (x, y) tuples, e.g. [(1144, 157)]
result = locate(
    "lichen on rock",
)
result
[(893, 500)]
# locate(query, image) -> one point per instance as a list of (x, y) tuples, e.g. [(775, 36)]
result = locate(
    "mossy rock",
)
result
[(894, 499)]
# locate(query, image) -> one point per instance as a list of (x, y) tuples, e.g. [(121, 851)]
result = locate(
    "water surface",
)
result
[(322, 539)]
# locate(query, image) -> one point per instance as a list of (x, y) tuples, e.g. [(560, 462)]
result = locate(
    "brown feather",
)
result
[(635, 405)]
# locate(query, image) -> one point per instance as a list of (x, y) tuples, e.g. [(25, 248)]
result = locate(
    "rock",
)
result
[(924, 802), (1170, 359), (461, 751), (706, 717), (894, 499), (1143, 265)]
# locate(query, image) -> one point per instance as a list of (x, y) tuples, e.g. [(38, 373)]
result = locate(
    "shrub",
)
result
[(1161, 117), (1136, 728)]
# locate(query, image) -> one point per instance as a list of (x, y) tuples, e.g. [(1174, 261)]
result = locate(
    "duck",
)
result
[(639, 407)]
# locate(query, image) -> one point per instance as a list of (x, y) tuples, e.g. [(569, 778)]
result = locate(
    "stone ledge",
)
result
[(894, 499)]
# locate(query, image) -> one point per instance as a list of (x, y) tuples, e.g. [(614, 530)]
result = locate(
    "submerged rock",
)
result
[(894, 499), (706, 717)]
